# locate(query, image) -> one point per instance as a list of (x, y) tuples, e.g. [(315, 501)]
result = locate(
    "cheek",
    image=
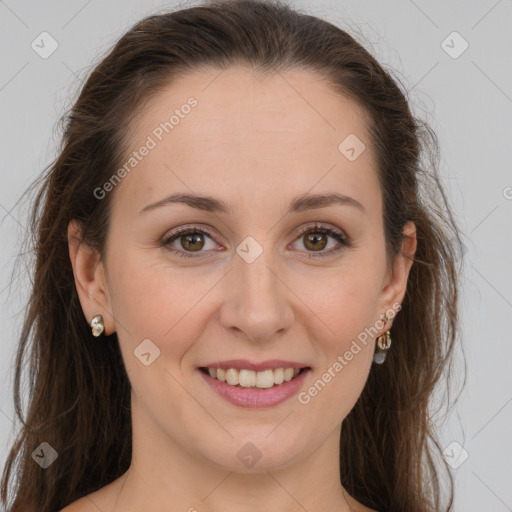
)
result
[(153, 302), (345, 300), (346, 347), (346, 304), (157, 303)]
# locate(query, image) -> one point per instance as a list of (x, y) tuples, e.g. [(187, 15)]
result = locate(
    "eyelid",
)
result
[(321, 227)]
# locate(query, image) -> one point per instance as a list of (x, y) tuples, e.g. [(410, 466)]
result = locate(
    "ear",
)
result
[(90, 280), (395, 283)]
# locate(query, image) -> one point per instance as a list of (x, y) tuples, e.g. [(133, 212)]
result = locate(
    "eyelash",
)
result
[(343, 240)]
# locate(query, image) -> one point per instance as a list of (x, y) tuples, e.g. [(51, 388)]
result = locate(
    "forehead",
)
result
[(278, 133)]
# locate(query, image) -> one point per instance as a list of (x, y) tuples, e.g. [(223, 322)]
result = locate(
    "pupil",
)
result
[(315, 239), (195, 239)]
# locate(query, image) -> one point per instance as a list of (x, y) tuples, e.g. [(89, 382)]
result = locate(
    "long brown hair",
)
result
[(79, 392)]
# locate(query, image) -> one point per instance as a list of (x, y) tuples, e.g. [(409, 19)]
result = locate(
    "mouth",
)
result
[(247, 378), (259, 386)]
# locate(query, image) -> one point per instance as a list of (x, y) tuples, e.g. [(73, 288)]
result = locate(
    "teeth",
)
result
[(249, 378), (288, 374), (265, 379), (278, 375), (232, 376)]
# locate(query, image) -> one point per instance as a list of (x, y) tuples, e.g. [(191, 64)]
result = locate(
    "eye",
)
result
[(192, 240), (315, 238)]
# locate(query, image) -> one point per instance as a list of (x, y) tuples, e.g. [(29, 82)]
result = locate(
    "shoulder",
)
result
[(85, 504), (103, 499), (81, 505), (357, 506)]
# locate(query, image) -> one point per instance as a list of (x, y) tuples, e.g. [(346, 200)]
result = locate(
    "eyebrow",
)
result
[(299, 204)]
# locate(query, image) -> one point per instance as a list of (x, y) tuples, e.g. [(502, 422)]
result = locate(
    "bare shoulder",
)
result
[(80, 505), (103, 499), (357, 506), (362, 508), (89, 503), (365, 509)]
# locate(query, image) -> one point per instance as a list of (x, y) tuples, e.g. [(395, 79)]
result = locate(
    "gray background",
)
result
[(467, 100)]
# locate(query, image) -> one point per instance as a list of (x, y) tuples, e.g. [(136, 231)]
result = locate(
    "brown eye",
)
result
[(191, 240), (315, 241), (316, 238)]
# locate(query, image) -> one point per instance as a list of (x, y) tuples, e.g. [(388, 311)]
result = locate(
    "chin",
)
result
[(256, 453)]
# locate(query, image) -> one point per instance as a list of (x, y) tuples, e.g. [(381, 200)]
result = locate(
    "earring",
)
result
[(383, 343), (97, 325)]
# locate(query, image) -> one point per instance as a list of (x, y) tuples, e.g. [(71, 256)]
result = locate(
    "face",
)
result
[(270, 281)]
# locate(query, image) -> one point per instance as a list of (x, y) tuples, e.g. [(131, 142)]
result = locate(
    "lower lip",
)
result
[(256, 397)]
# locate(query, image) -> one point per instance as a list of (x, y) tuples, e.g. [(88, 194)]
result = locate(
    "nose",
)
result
[(258, 303)]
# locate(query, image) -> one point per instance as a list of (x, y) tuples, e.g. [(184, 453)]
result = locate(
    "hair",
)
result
[(79, 392)]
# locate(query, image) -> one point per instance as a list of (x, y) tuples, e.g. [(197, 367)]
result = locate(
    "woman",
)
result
[(245, 291)]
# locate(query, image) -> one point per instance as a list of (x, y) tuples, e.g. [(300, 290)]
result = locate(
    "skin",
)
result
[(254, 142)]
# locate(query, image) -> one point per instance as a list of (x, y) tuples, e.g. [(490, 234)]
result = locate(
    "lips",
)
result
[(255, 384)]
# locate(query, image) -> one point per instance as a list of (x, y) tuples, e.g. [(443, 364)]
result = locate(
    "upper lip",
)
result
[(263, 365)]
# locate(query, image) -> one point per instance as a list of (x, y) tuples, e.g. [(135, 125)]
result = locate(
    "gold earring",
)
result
[(97, 325), (383, 343)]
